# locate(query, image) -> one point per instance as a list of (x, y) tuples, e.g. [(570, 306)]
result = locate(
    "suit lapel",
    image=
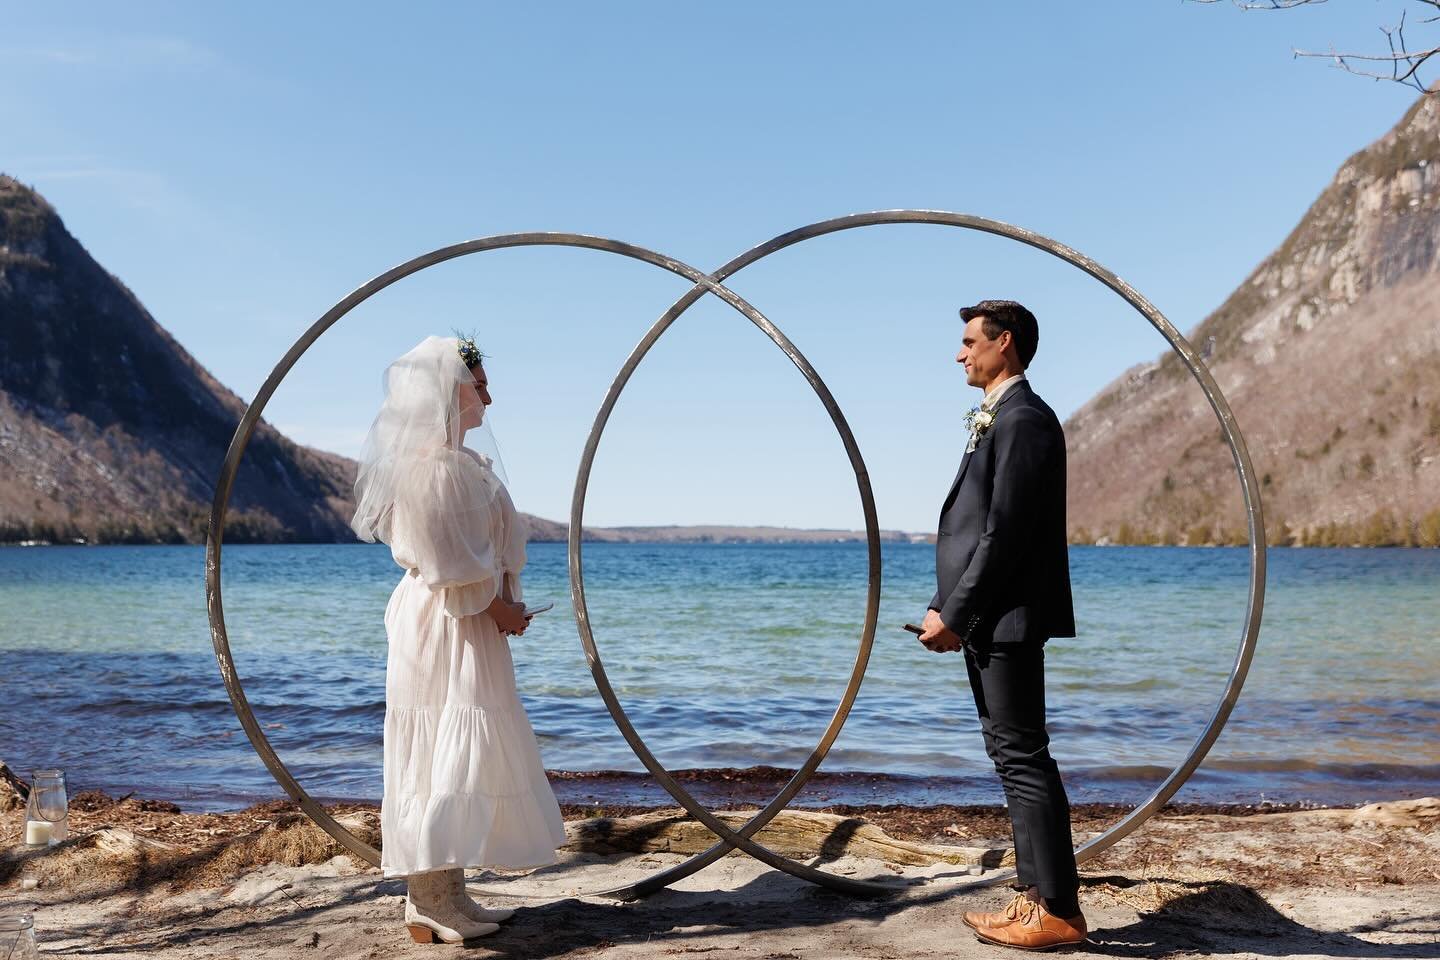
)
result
[(965, 460), (955, 487)]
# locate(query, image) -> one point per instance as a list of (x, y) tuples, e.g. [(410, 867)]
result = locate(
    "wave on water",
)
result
[(117, 685)]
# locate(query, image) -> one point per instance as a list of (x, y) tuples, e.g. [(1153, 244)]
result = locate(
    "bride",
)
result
[(464, 786)]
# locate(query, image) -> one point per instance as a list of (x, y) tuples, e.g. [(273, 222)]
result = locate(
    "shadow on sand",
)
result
[(1214, 918), (1218, 917)]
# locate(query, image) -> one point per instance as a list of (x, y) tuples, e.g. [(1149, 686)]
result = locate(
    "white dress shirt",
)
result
[(992, 398)]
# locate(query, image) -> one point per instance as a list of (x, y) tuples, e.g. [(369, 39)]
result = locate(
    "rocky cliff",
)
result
[(1329, 354), (109, 430)]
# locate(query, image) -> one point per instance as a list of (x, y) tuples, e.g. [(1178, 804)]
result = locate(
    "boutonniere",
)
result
[(978, 421)]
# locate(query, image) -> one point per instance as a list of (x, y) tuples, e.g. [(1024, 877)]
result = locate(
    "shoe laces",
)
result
[(1012, 909), (1028, 911)]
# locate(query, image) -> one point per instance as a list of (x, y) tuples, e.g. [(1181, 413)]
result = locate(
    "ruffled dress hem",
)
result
[(473, 830)]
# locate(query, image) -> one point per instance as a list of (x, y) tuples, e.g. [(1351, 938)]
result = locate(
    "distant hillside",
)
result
[(1329, 354), (546, 530)]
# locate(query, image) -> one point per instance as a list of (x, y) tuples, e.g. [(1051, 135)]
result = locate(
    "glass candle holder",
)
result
[(17, 937), (47, 815)]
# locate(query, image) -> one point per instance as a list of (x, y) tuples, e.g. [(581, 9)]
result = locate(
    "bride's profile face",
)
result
[(474, 399)]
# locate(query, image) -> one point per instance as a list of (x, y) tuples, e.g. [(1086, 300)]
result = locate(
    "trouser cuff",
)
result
[(1060, 899)]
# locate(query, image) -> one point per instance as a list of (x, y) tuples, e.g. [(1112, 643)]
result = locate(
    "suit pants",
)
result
[(1008, 680)]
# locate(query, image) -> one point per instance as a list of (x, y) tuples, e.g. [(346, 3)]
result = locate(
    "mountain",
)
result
[(1329, 354), (109, 430)]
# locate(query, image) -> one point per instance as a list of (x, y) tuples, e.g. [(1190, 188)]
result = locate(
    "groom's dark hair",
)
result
[(1002, 315)]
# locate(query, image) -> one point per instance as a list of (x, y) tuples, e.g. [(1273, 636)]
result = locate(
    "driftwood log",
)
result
[(116, 844), (14, 792), (794, 833), (1422, 813)]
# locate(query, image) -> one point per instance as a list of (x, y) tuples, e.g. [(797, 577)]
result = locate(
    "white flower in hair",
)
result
[(469, 353)]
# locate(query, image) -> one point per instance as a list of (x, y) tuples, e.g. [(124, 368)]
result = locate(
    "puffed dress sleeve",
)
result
[(512, 555), (448, 530)]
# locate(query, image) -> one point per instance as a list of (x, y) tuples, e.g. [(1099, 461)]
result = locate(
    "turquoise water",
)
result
[(731, 656)]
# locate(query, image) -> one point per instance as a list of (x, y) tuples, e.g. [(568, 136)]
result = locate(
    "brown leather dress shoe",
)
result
[(977, 920), (1036, 928)]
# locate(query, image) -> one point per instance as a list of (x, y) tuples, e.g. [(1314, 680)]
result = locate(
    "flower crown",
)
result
[(469, 353)]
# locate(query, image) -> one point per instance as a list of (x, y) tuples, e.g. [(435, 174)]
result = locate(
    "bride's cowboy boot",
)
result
[(456, 880), (430, 915)]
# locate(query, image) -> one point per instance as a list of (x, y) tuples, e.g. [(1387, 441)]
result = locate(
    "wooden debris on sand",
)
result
[(793, 833), (134, 844)]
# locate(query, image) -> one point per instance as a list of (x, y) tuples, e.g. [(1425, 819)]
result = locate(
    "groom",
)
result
[(1004, 589)]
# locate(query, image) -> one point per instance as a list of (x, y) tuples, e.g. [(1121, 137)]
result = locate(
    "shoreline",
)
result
[(1214, 790), (92, 810)]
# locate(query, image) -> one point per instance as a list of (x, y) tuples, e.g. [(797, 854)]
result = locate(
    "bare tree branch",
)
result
[(1269, 4), (1404, 62)]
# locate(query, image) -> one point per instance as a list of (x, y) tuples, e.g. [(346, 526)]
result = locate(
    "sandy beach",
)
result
[(139, 878)]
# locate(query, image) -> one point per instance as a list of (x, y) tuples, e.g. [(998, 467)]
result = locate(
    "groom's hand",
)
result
[(938, 637)]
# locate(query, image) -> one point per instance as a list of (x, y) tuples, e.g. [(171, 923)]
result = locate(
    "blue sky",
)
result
[(241, 168)]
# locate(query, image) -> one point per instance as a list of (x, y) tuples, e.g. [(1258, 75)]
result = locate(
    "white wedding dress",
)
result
[(464, 785)]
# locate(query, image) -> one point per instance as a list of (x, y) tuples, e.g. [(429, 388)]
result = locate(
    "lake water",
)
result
[(731, 656)]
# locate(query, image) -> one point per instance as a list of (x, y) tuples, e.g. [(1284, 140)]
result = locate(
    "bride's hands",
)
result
[(509, 617)]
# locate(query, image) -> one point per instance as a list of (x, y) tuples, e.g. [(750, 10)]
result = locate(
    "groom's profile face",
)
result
[(984, 359)]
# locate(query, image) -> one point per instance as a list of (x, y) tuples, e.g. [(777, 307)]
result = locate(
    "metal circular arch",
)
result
[(1243, 466), (730, 839), (246, 427)]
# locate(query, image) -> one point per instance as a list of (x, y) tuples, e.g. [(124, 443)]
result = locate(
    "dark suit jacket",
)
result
[(1001, 562)]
